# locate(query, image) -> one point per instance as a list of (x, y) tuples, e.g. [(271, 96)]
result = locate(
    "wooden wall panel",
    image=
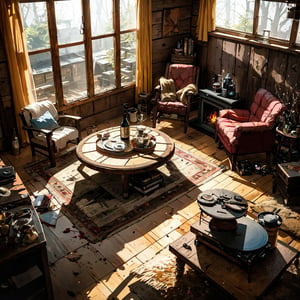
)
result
[(252, 67), (214, 59), (228, 58), (293, 72), (202, 59), (157, 25), (276, 71), (162, 46), (7, 115), (159, 5), (257, 72), (241, 69)]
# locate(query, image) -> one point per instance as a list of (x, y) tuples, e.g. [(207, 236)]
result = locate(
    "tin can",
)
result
[(271, 222)]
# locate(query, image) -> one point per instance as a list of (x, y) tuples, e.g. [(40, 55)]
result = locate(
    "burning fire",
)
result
[(212, 118)]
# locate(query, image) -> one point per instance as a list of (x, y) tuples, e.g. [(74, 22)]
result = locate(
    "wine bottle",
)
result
[(125, 127)]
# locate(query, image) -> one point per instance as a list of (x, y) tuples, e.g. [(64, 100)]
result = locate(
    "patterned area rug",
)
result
[(93, 201)]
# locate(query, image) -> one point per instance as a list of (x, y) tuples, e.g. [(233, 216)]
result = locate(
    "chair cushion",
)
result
[(182, 74), (61, 136), (168, 92), (265, 107), (172, 107), (45, 121)]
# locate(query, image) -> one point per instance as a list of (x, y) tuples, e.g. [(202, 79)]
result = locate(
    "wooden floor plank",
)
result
[(104, 268)]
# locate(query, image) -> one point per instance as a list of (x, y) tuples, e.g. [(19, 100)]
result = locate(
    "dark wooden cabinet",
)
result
[(23, 263)]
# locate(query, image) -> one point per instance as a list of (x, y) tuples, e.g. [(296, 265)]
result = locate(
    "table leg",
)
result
[(125, 185), (179, 267)]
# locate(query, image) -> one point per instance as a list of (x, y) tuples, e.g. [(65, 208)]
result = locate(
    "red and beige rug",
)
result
[(93, 201)]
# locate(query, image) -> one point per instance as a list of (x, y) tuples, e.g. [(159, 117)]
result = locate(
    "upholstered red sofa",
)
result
[(247, 131)]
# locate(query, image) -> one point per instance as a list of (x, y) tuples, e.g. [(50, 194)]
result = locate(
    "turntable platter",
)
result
[(248, 236), (207, 199)]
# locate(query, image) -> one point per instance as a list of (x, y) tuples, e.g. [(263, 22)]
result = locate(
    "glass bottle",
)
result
[(140, 136), (125, 126), (15, 146)]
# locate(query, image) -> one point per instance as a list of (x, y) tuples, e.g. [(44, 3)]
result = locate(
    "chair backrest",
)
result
[(182, 74), (37, 109), (265, 108)]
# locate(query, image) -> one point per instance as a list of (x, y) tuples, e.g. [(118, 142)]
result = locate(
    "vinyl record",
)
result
[(248, 236), (207, 199)]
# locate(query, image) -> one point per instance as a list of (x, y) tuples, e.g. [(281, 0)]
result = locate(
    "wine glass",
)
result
[(141, 119)]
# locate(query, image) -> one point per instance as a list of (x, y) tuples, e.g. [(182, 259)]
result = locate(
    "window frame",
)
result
[(291, 43), (87, 44)]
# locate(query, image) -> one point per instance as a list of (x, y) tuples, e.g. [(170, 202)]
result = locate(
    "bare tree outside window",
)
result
[(238, 17), (273, 17), (235, 14)]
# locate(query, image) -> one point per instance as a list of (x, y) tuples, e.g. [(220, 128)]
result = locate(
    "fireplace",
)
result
[(208, 109), (208, 115)]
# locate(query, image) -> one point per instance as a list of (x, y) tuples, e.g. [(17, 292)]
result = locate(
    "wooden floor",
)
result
[(81, 270)]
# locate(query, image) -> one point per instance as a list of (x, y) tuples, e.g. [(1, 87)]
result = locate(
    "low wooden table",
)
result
[(227, 275), (125, 164)]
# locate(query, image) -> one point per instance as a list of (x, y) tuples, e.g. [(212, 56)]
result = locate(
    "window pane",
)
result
[(43, 75), (128, 57), (273, 17), (104, 63), (235, 15), (127, 14), (68, 21), (36, 25), (73, 73), (101, 17)]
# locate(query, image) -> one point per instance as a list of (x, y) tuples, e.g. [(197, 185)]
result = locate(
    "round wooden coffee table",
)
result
[(126, 162)]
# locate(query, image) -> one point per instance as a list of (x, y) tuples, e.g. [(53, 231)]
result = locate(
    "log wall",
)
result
[(251, 66), (7, 117), (163, 44)]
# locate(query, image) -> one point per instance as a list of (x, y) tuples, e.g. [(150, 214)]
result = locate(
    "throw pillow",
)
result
[(168, 91), (45, 121)]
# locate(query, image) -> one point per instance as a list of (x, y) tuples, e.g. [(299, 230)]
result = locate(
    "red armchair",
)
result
[(174, 94), (250, 131)]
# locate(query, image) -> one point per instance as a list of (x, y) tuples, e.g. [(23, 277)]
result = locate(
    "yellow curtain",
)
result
[(144, 47), (18, 61), (206, 19)]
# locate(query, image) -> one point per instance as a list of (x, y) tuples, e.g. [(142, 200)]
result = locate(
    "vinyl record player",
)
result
[(225, 228)]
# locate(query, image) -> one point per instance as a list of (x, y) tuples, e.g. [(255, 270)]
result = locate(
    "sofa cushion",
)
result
[(265, 108)]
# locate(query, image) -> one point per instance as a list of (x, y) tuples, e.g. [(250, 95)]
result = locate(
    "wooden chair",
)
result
[(48, 131), (173, 95)]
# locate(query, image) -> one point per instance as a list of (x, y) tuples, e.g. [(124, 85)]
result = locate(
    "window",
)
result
[(79, 49), (235, 15), (262, 19), (273, 19)]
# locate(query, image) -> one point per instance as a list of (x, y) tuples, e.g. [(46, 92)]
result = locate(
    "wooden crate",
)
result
[(287, 181)]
